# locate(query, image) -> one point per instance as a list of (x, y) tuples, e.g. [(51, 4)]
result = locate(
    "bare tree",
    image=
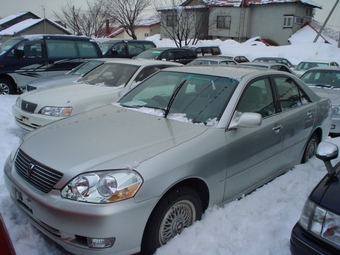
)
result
[(126, 13), (184, 24), (87, 22)]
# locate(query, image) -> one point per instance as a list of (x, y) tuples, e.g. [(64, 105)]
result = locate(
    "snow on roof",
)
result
[(11, 17), (26, 24), (237, 3), (149, 21)]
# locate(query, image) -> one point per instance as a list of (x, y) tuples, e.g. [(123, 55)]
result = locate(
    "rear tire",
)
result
[(6, 87), (310, 149), (177, 210)]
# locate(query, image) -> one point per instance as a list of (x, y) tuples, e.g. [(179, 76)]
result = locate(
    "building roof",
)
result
[(23, 25), (15, 16)]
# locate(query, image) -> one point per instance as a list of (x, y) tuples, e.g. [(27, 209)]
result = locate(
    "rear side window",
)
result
[(135, 48), (61, 49), (87, 50)]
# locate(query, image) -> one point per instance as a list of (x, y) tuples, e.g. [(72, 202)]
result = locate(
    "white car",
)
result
[(303, 66), (99, 87)]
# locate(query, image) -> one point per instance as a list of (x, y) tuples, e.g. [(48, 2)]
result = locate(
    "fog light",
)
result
[(100, 242)]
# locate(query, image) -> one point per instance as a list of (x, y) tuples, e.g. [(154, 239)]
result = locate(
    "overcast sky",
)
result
[(37, 6)]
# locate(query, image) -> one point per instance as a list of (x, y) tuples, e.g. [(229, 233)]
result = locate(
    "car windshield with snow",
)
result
[(129, 176)]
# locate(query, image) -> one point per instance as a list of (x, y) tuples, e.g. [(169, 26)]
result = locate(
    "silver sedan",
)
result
[(129, 176)]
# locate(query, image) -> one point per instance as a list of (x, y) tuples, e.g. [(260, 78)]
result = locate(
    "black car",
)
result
[(179, 55), (318, 230)]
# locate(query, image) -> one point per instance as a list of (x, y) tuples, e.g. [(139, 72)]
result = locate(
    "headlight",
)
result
[(321, 222), (56, 111), (18, 102), (336, 109), (103, 187)]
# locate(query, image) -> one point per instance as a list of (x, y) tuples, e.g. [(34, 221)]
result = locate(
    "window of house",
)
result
[(298, 20), (309, 12), (146, 34), (171, 20), (288, 21), (223, 21)]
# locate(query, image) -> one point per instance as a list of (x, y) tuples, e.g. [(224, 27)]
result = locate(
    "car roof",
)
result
[(139, 62), (269, 58), (317, 61), (262, 64), (326, 68), (235, 72)]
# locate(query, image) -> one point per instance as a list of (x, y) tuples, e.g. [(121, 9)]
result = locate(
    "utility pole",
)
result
[(324, 24)]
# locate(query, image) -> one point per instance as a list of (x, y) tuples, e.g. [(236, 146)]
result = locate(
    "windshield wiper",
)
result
[(166, 112)]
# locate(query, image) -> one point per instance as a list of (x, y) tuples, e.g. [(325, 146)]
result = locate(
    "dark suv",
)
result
[(29, 57), (179, 55)]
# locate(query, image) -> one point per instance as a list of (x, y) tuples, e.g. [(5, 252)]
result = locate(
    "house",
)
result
[(240, 20), (16, 18), (27, 23), (143, 28)]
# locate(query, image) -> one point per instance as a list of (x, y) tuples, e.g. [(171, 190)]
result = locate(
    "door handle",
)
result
[(310, 114), (277, 128)]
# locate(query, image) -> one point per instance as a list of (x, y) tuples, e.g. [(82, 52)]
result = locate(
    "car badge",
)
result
[(30, 169), (26, 106)]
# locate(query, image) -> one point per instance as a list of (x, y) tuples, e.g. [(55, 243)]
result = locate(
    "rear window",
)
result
[(61, 49), (87, 50)]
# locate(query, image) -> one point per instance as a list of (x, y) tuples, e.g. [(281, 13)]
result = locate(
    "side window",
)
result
[(146, 72), (168, 55), (27, 49), (258, 98), (61, 49), (180, 54), (87, 50), (135, 48), (120, 48), (149, 46), (290, 95)]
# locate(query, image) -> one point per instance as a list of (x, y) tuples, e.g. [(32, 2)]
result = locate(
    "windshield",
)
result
[(149, 54), (86, 67), (197, 98), (110, 74), (308, 65), (8, 45), (322, 77)]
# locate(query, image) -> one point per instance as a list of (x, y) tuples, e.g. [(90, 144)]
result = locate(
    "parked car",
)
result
[(22, 57), (129, 176), (325, 81), (237, 58), (204, 50), (269, 65), (71, 76), (212, 60), (317, 231), (303, 66), (98, 87), (275, 60), (118, 48), (178, 55)]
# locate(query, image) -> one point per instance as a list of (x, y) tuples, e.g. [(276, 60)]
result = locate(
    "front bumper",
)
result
[(69, 223), (302, 243), (31, 121)]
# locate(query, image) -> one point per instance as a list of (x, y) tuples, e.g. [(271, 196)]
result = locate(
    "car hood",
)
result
[(332, 94), (109, 137), (66, 95), (323, 193)]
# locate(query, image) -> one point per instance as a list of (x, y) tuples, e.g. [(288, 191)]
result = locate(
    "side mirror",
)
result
[(327, 152), (246, 120)]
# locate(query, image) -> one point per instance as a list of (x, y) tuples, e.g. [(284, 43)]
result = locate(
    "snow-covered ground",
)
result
[(259, 223)]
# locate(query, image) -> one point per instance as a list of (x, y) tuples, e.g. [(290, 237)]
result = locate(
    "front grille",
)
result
[(38, 175), (28, 107)]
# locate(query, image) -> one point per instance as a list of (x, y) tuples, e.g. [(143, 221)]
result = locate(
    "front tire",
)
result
[(6, 87), (310, 149), (177, 210)]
